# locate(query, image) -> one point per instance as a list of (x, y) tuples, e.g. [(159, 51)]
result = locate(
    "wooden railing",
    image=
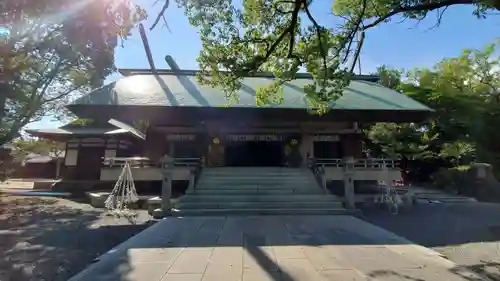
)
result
[(135, 162), (187, 162), (373, 163), (142, 162), (195, 174), (319, 173)]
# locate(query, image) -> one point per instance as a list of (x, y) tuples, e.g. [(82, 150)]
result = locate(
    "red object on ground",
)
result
[(398, 183), (404, 177)]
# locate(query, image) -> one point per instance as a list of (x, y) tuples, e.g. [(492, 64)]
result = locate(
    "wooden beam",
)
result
[(145, 42)]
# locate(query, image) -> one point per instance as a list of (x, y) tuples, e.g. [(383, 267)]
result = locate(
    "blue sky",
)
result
[(401, 45)]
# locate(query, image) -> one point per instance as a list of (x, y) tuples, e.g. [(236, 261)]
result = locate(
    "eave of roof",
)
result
[(60, 133)]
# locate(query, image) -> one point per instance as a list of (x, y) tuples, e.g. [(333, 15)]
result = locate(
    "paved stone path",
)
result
[(270, 248)]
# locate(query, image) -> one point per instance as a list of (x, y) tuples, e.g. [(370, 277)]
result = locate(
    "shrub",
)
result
[(451, 179)]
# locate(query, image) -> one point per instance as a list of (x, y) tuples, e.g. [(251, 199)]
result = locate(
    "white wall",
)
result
[(71, 157), (110, 153)]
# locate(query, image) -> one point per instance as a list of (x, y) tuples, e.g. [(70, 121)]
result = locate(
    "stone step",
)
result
[(264, 191), (258, 174), (236, 178), (255, 186), (256, 191), (269, 180), (261, 198), (258, 205), (253, 169), (447, 199), (250, 212), (269, 185)]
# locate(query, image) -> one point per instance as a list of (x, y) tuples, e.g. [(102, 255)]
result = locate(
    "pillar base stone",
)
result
[(160, 213)]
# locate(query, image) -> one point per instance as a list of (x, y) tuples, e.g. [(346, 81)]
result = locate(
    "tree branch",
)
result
[(354, 30), (318, 33), (160, 15), (358, 51), (293, 24), (422, 7), (62, 95)]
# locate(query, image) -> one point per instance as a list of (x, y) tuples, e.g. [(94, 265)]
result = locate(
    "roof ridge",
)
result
[(192, 72)]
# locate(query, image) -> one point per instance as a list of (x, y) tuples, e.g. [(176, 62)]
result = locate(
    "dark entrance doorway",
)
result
[(254, 153), (89, 163), (327, 149)]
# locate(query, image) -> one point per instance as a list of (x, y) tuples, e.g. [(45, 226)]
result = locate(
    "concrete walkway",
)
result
[(270, 248)]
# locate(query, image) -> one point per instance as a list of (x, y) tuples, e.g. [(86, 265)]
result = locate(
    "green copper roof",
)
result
[(184, 90)]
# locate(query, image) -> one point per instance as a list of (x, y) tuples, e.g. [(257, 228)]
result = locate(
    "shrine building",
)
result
[(149, 115)]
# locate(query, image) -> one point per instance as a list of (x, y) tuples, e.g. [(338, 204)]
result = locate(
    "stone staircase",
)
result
[(258, 191)]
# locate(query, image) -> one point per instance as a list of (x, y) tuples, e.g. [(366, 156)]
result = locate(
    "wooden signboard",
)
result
[(257, 137)]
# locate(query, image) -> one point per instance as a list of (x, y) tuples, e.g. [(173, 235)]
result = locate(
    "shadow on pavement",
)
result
[(255, 234), (44, 239), (437, 225)]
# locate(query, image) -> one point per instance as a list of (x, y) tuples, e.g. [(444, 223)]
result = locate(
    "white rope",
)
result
[(123, 194)]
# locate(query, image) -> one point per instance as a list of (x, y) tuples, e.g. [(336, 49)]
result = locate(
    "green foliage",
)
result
[(458, 151), (451, 179), (391, 78), (56, 49), (37, 146), (282, 37), (465, 94), (82, 122), (6, 161), (11, 159), (396, 141)]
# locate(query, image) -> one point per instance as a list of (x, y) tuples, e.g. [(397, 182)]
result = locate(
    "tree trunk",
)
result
[(3, 103)]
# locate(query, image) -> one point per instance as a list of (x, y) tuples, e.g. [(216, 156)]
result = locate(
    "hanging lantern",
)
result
[(293, 142), (216, 140)]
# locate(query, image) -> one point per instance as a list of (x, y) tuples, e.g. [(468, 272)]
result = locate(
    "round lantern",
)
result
[(216, 140)]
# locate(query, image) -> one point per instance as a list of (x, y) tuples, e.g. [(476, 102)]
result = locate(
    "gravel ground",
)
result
[(466, 233), (52, 239)]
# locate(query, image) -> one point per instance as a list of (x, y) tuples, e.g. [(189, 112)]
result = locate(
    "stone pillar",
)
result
[(166, 186), (348, 170), (482, 170)]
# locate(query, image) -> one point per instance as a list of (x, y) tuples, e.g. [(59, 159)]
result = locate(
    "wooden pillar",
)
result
[(58, 167), (171, 148), (306, 148)]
